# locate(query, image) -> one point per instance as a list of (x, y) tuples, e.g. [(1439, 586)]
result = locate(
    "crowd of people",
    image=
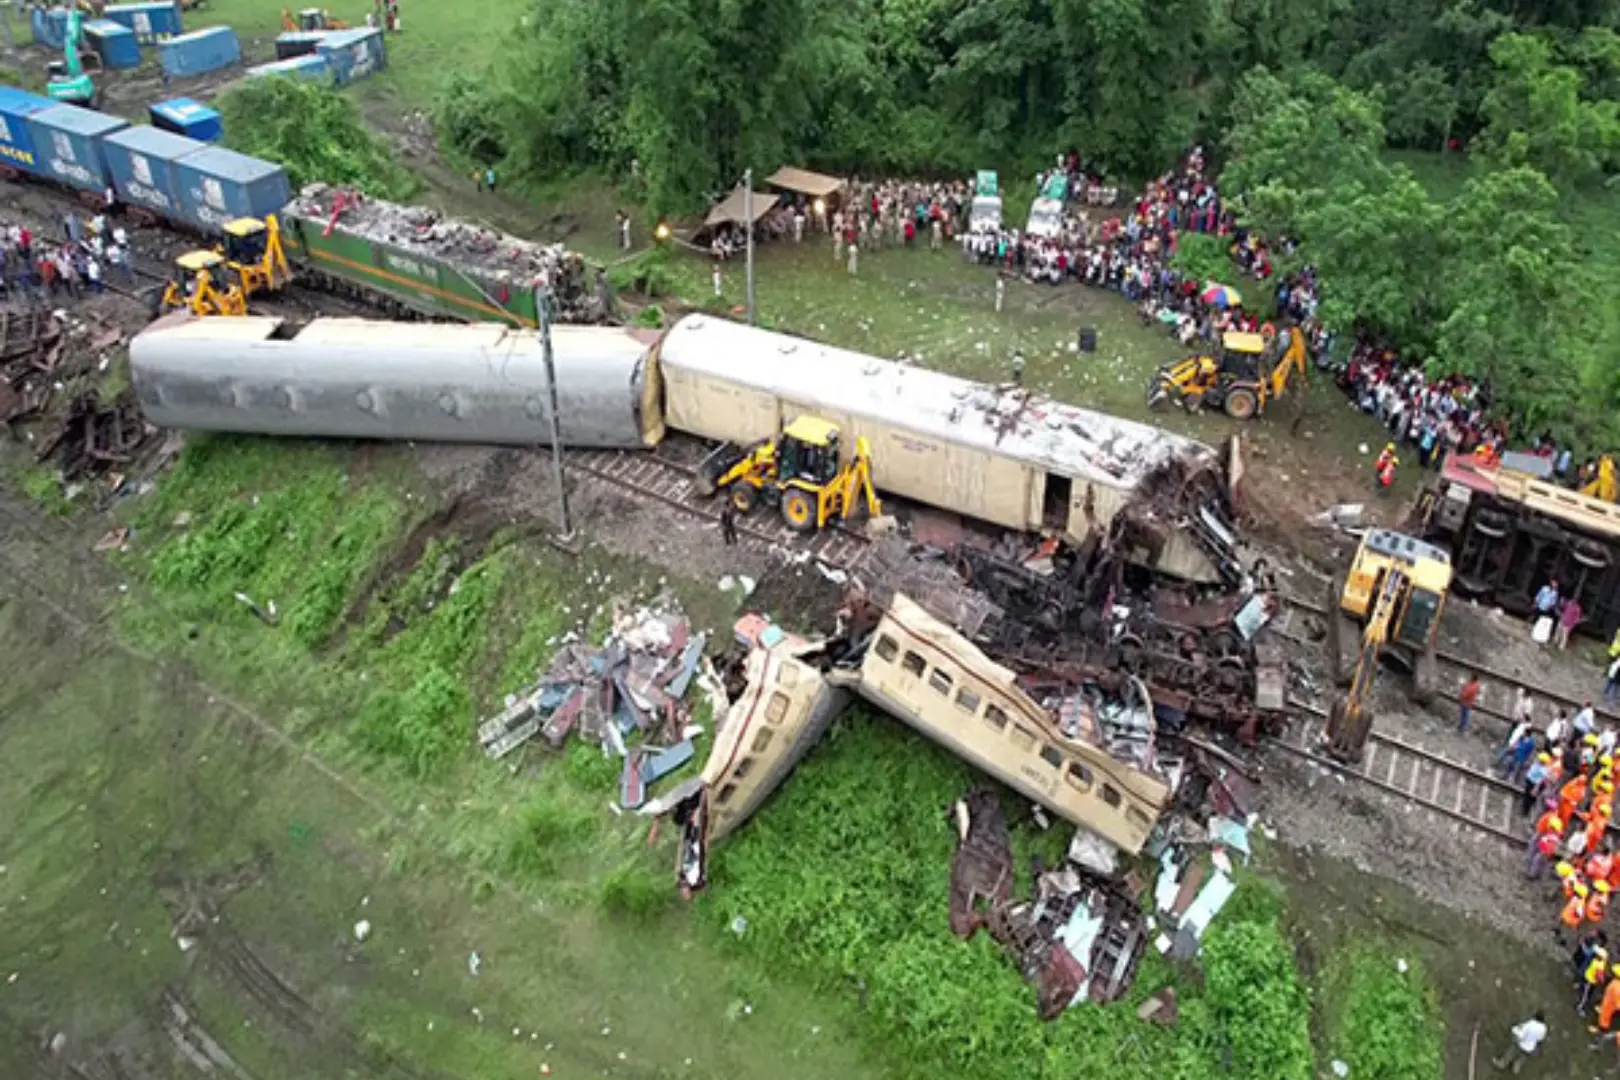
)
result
[(40, 271), (1568, 776)]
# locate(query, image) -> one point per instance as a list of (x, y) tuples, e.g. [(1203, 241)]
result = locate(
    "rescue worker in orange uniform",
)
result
[(1593, 978), (1384, 467), (1600, 864), (1571, 796), (1574, 912), (1597, 904), (1608, 1009)]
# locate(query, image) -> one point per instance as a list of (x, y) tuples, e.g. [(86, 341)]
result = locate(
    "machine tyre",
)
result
[(1491, 523), (742, 498), (1241, 403), (799, 511)]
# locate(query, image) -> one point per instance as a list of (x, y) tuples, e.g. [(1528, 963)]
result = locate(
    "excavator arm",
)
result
[(1290, 363), (1350, 719), (852, 486)]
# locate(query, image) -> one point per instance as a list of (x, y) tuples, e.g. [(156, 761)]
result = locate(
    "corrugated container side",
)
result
[(151, 22), (299, 43), (219, 185), (354, 54), (143, 163), (200, 52), (16, 136), (115, 43), (311, 67), (49, 26), (67, 145)]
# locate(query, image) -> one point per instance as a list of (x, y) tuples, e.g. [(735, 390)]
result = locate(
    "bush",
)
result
[(649, 273), (314, 132), (1255, 1023), (636, 891), (420, 728), (1204, 257)]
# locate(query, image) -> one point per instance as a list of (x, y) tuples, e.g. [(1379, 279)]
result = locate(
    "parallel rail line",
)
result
[(655, 476), (1416, 775)]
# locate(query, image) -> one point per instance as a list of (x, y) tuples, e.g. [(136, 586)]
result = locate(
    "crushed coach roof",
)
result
[(1006, 420)]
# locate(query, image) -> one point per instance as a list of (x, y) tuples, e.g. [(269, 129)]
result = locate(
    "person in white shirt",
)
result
[(1527, 1039), (1607, 738), (1556, 730), (1585, 719)]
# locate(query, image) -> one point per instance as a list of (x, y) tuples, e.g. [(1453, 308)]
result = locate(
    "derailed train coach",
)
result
[(353, 378), (999, 454)]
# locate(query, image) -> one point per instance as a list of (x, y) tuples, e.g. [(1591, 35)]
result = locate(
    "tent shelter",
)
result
[(732, 211), (801, 182)]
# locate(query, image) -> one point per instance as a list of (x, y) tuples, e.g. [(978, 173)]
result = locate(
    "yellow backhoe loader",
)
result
[(1248, 374), (798, 471), (221, 280), (1394, 595)]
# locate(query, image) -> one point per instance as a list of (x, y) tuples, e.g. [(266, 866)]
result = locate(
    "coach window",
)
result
[(1110, 795), (1023, 738), (744, 767), (725, 794), (886, 648), (967, 701), (1078, 776), (995, 717), (762, 740), (913, 664), (1137, 818), (940, 681), (777, 709), (1052, 756)]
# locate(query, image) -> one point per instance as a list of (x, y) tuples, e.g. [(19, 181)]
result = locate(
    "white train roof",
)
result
[(1005, 420)]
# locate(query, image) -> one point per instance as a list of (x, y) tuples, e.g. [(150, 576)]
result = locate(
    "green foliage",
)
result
[(651, 316), (649, 273), (315, 132), (635, 890), (419, 729), (42, 486), (1254, 1018), (1203, 257), (1380, 1020), (851, 891), (1537, 113)]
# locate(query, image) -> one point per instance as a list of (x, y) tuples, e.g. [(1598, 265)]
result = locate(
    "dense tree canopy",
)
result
[(1299, 102)]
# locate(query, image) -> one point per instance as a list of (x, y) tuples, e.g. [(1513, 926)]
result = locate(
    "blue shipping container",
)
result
[(354, 54), (16, 137), (142, 161), (299, 67), (49, 26), (151, 22), (114, 42), (67, 145), (189, 118), (219, 185), (200, 52), (299, 42)]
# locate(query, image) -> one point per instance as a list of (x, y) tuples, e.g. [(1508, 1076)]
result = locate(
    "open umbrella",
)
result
[(1221, 296)]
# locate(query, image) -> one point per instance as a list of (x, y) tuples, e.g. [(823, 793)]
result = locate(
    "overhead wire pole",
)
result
[(542, 309), (748, 212)]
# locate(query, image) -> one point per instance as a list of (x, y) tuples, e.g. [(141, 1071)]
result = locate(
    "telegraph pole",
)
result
[(748, 212), (542, 310)]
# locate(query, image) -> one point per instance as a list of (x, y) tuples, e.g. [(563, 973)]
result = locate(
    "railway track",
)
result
[(659, 476), (1497, 690), (1415, 775)]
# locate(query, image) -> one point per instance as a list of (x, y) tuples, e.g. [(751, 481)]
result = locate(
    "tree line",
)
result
[(1298, 100)]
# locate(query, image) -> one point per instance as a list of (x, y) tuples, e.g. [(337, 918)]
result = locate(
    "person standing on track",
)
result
[(1527, 1039), (1467, 698), (728, 523)]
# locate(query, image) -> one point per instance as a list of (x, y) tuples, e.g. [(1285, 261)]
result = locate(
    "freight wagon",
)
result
[(151, 23), (352, 55), (186, 56), (183, 116), (409, 259), (311, 67), (350, 378), (114, 42)]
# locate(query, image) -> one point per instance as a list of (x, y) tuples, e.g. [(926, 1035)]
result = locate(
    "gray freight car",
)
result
[(352, 378)]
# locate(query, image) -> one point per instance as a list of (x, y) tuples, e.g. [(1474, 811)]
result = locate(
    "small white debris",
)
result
[(186, 943), (623, 1055), (1401, 965), (1340, 1069), (739, 925), (607, 1029), (58, 1042), (362, 930), (475, 963)]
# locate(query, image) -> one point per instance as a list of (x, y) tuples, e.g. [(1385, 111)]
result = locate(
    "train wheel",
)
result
[(742, 498), (799, 509), (1491, 523), (1241, 403), (1589, 554)]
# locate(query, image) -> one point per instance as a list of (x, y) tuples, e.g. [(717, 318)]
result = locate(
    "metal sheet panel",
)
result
[(350, 378), (143, 162), (16, 137), (219, 185), (151, 22), (200, 52), (67, 144), (192, 119), (114, 42)]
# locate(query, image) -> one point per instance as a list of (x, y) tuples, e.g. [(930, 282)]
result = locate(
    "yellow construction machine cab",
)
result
[(245, 240), (1427, 570), (197, 287), (253, 250), (808, 452), (1241, 354)]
